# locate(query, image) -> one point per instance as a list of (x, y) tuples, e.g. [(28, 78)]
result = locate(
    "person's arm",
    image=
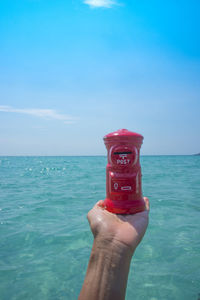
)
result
[(115, 240)]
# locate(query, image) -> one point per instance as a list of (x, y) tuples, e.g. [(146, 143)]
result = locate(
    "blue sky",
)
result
[(72, 71)]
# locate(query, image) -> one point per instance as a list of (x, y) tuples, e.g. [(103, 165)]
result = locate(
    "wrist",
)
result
[(111, 245)]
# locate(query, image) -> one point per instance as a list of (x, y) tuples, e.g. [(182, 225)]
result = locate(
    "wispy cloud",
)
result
[(42, 113), (100, 3)]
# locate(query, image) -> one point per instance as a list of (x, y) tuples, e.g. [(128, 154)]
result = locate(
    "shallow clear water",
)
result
[(45, 239)]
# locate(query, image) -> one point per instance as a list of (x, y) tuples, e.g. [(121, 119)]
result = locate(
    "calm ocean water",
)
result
[(45, 240)]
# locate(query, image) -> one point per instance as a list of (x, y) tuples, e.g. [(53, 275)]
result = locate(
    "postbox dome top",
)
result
[(123, 133)]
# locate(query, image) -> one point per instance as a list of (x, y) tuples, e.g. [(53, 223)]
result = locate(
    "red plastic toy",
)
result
[(123, 172)]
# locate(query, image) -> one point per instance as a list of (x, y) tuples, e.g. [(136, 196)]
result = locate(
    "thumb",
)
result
[(100, 204)]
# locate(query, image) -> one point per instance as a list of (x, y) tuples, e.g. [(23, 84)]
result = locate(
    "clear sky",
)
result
[(72, 71)]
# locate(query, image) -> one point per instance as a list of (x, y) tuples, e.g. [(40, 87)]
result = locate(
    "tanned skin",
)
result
[(115, 239)]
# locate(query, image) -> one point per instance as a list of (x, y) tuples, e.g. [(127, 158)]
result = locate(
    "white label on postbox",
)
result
[(126, 188)]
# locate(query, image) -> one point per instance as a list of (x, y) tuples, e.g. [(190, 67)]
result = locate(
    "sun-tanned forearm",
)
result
[(107, 272), (115, 239)]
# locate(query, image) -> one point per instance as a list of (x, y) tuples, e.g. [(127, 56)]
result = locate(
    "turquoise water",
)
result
[(45, 239)]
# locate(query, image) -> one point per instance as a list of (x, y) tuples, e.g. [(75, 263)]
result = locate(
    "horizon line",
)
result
[(86, 155)]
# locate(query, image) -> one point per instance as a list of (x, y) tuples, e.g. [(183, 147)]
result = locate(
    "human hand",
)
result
[(124, 230)]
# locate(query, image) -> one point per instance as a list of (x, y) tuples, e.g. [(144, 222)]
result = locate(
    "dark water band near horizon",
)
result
[(45, 238)]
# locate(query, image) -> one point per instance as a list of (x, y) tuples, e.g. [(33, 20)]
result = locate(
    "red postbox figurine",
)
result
[(123, 172)]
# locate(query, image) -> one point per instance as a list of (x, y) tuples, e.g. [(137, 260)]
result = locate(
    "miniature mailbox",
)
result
[(123, 172)]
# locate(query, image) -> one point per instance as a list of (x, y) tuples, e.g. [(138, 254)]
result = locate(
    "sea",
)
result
[(45, 239)]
